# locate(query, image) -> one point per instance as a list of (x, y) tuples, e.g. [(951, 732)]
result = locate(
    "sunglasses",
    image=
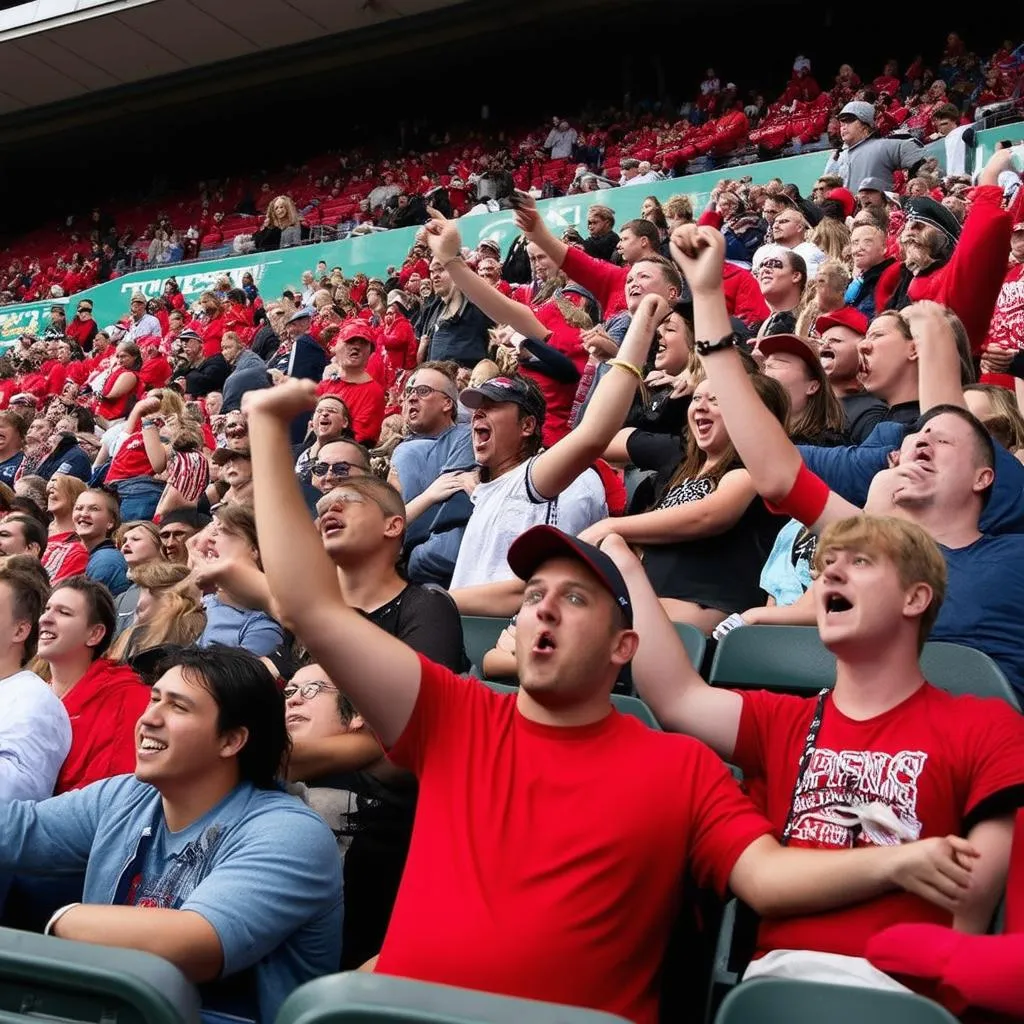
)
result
[(341, 469), (771, 264), (422, 390), (236, 430), (308, 690)]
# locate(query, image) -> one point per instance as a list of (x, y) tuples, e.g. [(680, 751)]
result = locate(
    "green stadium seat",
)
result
[(623, 702), (479, 634), (779, 1001), (695, 642), (43, 978), (363, 998), (792, 659)]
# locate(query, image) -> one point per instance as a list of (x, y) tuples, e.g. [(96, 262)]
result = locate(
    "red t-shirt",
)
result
[(131, 460), (365, 405), (65, 556), (547, 862), (933, 759), (605, 281)]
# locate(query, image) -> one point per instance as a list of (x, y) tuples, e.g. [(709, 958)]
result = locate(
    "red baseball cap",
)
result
[(845, 316), (355, 328), (844, 197), (794, 345)]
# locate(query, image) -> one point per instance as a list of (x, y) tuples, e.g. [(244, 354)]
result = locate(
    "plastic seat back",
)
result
[(780, 1001), (960, 670), (695, 642), (43, 978), (362, 998), (480, 633), (790, 659)]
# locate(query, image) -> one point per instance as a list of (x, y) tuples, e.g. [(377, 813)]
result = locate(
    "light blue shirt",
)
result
[(251, 630), (261, 868)]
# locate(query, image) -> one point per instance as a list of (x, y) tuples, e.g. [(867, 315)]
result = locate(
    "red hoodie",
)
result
[(103, 706)]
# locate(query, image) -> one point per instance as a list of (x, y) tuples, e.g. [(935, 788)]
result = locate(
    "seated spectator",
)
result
[(601, 241), (231, 538), (304, 359), (433, 468), (139, 543), (95, 518), (362, 524), (210, 743), (248, 371), (176, 529), (337, 460), (65, 554), (997, 410), (346, 377), (121, 387), (789, 231), (35, 732), (456, 329), (574, 634), (782, 276), (102, 699), (331, 419), (167, 611), (868, 245), (367, 801), (22, 535), (236, 472), (200, 374), (840, 335), (12, 445)]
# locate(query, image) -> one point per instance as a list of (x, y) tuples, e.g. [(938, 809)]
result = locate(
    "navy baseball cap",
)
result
[(541, 543), (505, 389)]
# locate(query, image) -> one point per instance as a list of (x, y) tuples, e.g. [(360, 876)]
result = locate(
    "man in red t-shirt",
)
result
[(346, 377), (551, 831), (884, 758)]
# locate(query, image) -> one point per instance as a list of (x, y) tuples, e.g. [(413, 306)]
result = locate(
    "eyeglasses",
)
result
[(771, 264), (422, 390), (309, 690), (339, 501), (236, 430), (341, 469)]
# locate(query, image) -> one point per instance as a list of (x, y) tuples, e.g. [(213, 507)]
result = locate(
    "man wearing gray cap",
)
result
[(866, 155)]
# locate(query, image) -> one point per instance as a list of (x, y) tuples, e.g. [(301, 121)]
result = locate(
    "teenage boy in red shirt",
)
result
[(551, 833)]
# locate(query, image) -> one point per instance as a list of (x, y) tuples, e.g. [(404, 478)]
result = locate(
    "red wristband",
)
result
[(806, 499)]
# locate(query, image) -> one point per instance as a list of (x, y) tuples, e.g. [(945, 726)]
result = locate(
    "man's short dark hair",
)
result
[(946, 112), (31, 528), (984, 448), (247, 697), (643, 229), (669, 271), (30, 588), (189, 516), (99, 606)]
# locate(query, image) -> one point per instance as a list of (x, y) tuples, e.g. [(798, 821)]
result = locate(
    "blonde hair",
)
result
[(69, 487), (833, 238), (1005, 422), (910, 549), (141, 524), (179, 620), (290, 219), (679, 208)]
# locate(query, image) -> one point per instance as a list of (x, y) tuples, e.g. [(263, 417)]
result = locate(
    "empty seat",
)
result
[(43, 978), (359, 998), (480, 633), (778, 1001)]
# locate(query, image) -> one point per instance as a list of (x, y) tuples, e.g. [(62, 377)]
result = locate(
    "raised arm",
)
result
[(380, 674), (554, 469), (446, 245), (531, 223), (768, 454), (155, 450), (678, 696), (938, 361)]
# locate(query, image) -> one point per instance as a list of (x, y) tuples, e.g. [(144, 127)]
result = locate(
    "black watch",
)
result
[(707, 348)]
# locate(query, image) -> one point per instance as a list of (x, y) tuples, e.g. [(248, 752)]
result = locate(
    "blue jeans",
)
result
[(139, 496)]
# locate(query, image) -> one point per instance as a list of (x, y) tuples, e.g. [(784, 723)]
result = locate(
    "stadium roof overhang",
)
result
[(65, 63)]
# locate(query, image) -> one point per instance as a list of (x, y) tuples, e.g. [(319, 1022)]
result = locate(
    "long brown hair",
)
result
[(772, 394)]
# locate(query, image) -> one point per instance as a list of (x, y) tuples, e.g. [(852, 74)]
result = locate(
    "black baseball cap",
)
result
[(505, 389), (541, 543), (928, 211)]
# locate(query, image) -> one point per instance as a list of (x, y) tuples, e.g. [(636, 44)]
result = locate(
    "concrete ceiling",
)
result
[(54, 51)]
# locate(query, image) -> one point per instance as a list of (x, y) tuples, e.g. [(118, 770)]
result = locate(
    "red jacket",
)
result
[(970, 282), (400, 341), (103, 706), (605, 281), (743, 297)]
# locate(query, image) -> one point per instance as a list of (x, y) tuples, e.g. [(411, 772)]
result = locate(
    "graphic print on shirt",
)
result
[(837, 800), (687, 491), (181, 874)]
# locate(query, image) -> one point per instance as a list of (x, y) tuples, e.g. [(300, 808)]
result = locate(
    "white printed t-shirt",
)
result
[(506, 507)]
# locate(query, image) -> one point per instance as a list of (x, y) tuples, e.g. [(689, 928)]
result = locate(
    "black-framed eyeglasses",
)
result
[(236, 430), (308, 690), (341, 469), (422, 390)]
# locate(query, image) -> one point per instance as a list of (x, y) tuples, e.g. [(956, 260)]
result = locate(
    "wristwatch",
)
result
[(707, 348)]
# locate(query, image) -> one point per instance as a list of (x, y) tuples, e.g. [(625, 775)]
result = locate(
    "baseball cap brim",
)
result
[(540, 544), (794, 345)]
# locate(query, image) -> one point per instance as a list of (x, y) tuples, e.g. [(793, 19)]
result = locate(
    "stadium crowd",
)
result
[(334, 195), (240, 536)]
